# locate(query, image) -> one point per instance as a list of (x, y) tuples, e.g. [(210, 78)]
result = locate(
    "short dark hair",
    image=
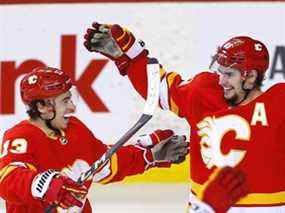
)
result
[(33, 111), (259, 80)]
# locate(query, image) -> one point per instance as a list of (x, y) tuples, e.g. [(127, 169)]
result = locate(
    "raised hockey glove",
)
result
[(225, 188), (114, 42), (173, 149), (53, 188)]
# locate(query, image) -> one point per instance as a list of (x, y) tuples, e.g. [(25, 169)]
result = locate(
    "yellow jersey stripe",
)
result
[(173, 105), (31, 167), (250, 199), (10, 167), (5, 171), (161, 72)]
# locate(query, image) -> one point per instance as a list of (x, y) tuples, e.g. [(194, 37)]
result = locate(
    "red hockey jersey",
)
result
[(255, 146), (249, 137), (27, 150)]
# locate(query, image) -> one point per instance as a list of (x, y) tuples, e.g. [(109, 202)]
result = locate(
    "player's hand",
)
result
[(225, 189), (173, 149), (53, 188), (99, 39), (114, 42)]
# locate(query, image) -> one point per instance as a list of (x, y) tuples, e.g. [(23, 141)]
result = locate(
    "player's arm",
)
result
[(158, 149), (131, 58), (21, 183)]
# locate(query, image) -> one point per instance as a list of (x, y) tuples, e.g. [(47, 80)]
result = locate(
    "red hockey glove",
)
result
[(149, 140), (53, 188), (165, 146), (114, 42), (225, 189)]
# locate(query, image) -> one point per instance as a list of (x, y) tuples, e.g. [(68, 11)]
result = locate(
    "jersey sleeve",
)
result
[(174, 90), (17, 170), (186, 98), (127, 161)]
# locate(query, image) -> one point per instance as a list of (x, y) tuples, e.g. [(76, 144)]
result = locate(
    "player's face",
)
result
[(231, 80), (64, 107)]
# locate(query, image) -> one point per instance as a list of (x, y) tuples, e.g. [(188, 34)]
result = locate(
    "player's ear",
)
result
[(41, 107), (250, 80), (45, 108)]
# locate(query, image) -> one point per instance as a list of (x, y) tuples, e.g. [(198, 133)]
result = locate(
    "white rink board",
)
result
[(136, 198), (181, 35)]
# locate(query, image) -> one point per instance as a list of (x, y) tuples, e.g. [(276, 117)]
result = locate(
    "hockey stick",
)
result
[(151, 103), (153, 79)]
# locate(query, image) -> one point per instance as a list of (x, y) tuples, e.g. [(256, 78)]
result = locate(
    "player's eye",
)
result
[(66, 100), (228, 74)]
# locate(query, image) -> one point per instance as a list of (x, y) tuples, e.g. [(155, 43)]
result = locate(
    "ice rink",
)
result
[(137, 198)]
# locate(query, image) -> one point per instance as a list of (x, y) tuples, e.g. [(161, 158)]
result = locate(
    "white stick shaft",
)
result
[(153, 84)]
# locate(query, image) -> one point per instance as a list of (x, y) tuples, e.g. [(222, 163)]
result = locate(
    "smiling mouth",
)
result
[(227, 90), (67, 116)]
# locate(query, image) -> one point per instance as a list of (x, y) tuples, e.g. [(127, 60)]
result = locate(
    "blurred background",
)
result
[(183, 35)]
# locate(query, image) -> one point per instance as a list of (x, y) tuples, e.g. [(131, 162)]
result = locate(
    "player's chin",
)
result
[(228, 94), (64, 122), (231, 100)]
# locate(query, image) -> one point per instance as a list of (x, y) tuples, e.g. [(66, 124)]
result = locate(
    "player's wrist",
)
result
[(149, 159), (41, 183), (136, 49), (124, 61)]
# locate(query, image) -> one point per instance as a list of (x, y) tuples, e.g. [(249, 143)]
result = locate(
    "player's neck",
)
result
[(42, 126), (251, 96)]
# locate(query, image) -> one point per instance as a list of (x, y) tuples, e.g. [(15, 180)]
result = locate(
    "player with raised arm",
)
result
[(233, 123), (42, 157)]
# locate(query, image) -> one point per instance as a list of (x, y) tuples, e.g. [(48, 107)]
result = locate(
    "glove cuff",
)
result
[(150, 162), (148, 157), (41, 183), (124, 61), (137, 47), (146, 140)]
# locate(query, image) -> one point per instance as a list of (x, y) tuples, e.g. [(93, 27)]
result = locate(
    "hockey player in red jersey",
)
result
[(42, 157), (233, 123)]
